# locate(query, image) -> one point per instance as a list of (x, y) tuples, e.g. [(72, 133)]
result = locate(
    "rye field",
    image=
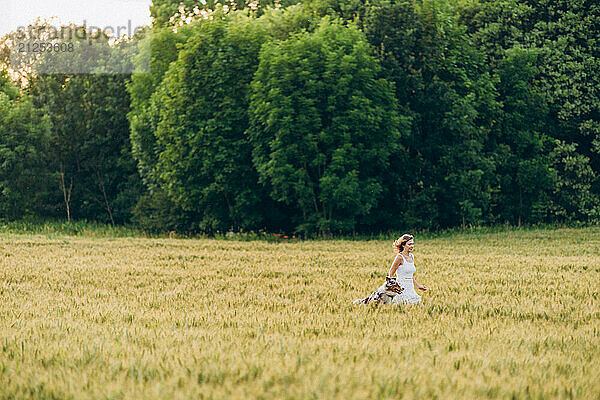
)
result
[(511, 314)]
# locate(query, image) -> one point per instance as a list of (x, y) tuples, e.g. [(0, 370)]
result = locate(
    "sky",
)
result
[(101, 13)]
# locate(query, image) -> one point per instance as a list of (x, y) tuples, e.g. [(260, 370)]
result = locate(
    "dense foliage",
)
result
[(322, 116), (323, 126)]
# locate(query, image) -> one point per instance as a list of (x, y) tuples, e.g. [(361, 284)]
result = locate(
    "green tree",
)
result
[(59, 97), (90, 151), (522, 147), (148, 93), (24, 134), (161, 47), (572, 198), (205, 162), (564, 35), (113, 186), (323, 126), (443, 85)]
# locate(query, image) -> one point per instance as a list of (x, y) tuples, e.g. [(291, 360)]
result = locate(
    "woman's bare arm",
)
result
[(417, 285), (397, 262)]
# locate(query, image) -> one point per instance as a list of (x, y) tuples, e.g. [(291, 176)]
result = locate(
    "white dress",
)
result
[(404, 275)]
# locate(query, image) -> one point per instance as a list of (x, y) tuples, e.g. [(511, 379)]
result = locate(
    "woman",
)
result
[(404, 268)]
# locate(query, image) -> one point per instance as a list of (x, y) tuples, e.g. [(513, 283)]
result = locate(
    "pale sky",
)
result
[(100, 13)]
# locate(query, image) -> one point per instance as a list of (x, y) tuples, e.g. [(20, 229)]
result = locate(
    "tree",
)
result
[(443, 85), (24, 134), (323, 126), (564, 35), (171, 12), (572, 199), (161, 47), (520, 141), (205, 162)]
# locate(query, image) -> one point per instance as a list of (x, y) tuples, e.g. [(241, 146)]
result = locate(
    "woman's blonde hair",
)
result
[(401, 241)]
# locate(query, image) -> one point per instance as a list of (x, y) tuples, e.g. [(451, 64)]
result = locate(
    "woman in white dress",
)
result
[(404, 268)]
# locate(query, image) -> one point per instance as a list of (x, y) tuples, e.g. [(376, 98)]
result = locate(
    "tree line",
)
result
[(321, 116)]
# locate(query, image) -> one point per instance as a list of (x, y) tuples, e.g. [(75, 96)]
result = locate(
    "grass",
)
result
[(509, 314), (58, 228)]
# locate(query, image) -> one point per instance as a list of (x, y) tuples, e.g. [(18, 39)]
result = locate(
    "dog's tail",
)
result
[(360, 301)]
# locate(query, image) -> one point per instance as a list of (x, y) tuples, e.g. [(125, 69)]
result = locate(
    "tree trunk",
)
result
[(66, 192), (106, 204), (520, 205)]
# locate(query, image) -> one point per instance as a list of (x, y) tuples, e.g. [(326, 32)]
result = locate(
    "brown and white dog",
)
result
[(384, 294)]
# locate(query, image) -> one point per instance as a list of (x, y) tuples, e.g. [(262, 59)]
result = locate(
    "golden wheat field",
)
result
[(514, 314)]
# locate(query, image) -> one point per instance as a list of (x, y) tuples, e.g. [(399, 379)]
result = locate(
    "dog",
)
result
[(384, 294)]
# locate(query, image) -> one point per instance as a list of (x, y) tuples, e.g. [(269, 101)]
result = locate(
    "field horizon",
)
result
[(508, 314)]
